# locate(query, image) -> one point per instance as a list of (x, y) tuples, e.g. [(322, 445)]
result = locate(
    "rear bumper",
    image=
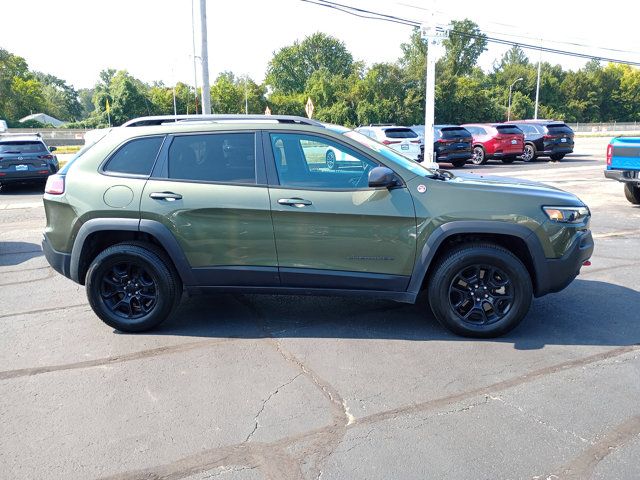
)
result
[(28, 177), (60, 262), (557, 151), (555, 274), (626, 176), (449, 157)]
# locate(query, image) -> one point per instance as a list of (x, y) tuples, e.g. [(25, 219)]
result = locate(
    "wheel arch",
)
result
[(518, 239), (97, 234)]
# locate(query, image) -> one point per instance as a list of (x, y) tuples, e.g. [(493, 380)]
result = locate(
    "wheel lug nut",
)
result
[(486, 296)]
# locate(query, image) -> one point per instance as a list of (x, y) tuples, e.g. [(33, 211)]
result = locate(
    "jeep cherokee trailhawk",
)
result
[(248, 204)]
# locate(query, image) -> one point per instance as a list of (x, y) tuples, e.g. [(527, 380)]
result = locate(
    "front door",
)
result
[(212, 196), (331, 229)]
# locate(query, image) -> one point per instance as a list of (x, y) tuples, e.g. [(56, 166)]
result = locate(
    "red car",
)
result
[(495, 140)]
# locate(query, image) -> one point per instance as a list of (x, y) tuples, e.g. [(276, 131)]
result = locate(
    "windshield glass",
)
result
[(389, 153)]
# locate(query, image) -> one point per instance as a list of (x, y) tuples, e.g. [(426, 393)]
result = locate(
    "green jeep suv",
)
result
[(248, 204)]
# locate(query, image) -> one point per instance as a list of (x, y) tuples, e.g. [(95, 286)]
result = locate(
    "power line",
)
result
[(364, 13)]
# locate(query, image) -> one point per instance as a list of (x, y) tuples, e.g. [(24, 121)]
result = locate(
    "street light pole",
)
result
[(206, 92), (510, 90), (193, 41), (535, 112)]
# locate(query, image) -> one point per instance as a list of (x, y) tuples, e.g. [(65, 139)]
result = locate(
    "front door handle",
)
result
[(168, 196), (294, 202)]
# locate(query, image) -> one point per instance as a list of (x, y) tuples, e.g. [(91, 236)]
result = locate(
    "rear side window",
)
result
[(217, 157), (509, 130), (476, 130), (559, 128), (135, 157), (22, 147), (529, 129), (400, 133)]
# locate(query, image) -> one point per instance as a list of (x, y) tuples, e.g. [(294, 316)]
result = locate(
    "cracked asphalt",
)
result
[(263, 387)]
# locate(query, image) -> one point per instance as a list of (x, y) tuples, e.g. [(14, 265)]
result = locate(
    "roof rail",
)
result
[(167, 119)]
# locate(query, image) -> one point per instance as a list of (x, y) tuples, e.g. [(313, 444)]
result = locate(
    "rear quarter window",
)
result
[(135, 157)]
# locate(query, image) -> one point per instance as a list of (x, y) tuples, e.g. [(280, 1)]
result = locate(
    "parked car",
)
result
[(451, 144), (243, 206), (545, 138), (401, 139), (495, 140), (623, 165), (25, 158)]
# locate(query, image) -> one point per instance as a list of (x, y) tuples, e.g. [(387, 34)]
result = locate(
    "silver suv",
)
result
[(402, 139)]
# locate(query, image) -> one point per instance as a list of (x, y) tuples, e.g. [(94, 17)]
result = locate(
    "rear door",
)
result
[(331, 229), (403, 140), (559, 137), (511, 139), (209, 190), (455, 140)]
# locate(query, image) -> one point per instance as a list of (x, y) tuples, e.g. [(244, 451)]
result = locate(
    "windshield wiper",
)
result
[(442, 174)]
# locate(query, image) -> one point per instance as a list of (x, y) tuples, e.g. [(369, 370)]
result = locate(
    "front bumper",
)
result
[(626, 176), (60, 262), (554, 274)]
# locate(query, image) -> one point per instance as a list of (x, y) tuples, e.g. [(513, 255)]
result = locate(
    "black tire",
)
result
[(458, 163), (330, 159), (461, 305), (133, 287), (557, 157), (529, 153), (632, 192), (508, 160), (479, 156)]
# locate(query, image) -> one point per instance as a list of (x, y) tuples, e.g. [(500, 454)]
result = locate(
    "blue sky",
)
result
[(75, 39)]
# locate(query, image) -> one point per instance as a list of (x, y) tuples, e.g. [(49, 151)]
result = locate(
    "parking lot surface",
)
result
[(265, 387)]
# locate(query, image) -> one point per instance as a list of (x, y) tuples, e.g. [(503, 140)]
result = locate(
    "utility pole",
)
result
[(535, 112), (195, 71), (206, 91), (434, 38)]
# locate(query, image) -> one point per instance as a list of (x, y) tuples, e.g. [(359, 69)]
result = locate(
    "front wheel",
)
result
[(132, 288), (557, 157), (529, 153), (632, 192), (480, 290)]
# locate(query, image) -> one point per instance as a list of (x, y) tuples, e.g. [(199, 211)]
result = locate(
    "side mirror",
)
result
[(53, 149), (382, 177)]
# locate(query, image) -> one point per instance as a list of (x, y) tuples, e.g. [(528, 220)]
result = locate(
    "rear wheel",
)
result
[(557, 156), (132, 287), (529, 153), (479, 156), (459, 163), (480, 290), (330, 159), (508, 159), (632, 192)]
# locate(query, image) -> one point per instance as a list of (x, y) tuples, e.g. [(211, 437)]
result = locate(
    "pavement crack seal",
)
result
[(254, 453), (585, 464), (154, 352), (33, 280), (264, 404), (42, 310)]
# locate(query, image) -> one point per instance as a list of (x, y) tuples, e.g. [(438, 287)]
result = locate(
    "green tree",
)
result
[(292, 66), (463, 47), (61, 100)]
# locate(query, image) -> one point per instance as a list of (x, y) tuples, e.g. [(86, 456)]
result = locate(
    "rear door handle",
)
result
[(294, 202), (168, 196)]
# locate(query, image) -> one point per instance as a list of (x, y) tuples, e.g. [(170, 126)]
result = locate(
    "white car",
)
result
[(402, 139)]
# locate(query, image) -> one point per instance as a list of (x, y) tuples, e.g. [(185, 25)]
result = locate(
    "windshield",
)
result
[(389, 153)]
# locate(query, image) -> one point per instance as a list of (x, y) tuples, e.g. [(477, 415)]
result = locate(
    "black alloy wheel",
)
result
[(481, 294), (129, 290)]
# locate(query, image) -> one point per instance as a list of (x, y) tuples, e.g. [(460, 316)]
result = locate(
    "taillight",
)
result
[(549, 137), (389, 142), (46, 157), (445, 140), (609, 153), (55, 185)]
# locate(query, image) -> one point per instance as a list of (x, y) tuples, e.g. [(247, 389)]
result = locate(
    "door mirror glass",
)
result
[(382, 177)]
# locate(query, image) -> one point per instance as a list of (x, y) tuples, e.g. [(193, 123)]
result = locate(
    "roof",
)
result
[(42, 118), (25, 137), (219, 118)]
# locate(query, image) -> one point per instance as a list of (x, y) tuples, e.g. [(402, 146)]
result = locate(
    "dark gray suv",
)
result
[(25, 158)]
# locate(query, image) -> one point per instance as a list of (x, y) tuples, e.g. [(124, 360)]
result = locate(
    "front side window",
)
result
[(135, 157), (317, 162), (215, 157)]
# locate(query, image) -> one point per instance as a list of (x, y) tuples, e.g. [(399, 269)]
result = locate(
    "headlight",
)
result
[(567, 214)]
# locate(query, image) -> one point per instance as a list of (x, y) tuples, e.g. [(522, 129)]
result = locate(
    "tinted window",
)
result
[(22, 147), (528, 129), (455, 132), (217, 157), (509, 129), (400, 133), (135, 157), (317, 162), (476, 130), (559, 128)]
